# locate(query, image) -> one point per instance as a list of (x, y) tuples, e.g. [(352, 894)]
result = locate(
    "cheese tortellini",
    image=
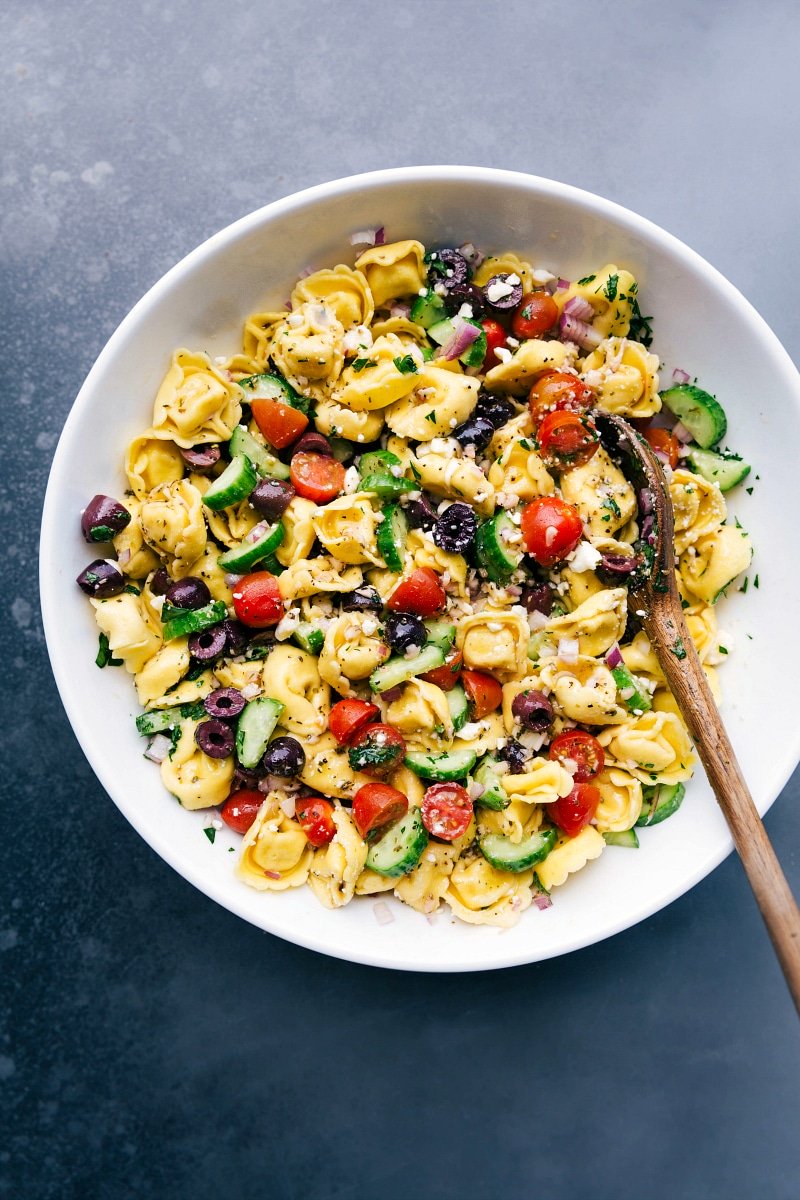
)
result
[(292, 677), (195, 402)]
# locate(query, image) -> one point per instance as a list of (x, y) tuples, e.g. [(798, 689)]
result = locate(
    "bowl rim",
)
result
[(49, 588)]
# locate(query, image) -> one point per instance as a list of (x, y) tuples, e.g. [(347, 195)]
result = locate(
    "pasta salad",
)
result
[(371, 580)]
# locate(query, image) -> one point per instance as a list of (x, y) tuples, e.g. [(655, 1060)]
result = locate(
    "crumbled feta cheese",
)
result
[(465, 311), (500, 289), (352, 480), (503, 354), (287, 625), (550, 535), (584, 557)]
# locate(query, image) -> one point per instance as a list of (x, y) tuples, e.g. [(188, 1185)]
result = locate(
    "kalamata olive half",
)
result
[(285, 757), (236, 636), (215, 738), (475, 431), (313, 443), (533, 710), (201, 458), (159, 581), (404, 630), (447, 266), (501, 294), (208, 644), (102, 518), (516, 755), (496, 409), (246, 777), (271, 497), (465, 293), (189, 592), (363, 599), (420, 513), (456, 528), (101, 579), (224, 703), (538, 598)]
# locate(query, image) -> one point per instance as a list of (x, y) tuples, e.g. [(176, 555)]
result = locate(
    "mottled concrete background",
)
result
[(152, 1045)]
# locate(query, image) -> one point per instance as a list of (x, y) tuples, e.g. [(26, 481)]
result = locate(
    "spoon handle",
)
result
[(670, 639)]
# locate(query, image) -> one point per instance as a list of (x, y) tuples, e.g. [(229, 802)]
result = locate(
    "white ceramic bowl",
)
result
[(701, 324)]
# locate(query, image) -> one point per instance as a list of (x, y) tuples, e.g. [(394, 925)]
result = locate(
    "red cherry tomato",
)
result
[(318, 477), (241, 809), (446, 811), (537, 313), (280, 423), (576, 746), (495, 337), (315, 815), (421, 593), (446, 677), (574, 811), (377, 750), (551, 529), (257, 600), (376, 805), (567, 439), (484, 693), (665, 444), (349, 717), (556, 390)]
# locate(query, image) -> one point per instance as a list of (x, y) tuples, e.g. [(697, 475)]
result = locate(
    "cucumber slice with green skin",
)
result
[(309, 638), (343, 450), (725, 469), (474, 354), (194, 620), (459, 707), (428, 310), (506, 855), (494, 794), (400, 848), (377, 462), (254, 729), (660, 802), (162, 719), (266, 464), (234, 484), (392, 537), (441, 634), (498, 557), (272, 565), (241, 558), (702, 415), (633, 697), (399, 669), (626, 837), (272, 387), (388, 487), (441, 768)]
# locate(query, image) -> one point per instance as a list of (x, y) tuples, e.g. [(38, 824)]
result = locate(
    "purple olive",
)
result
[(363, 599), (236, 636), (533, 710), (404, 630), (189, 592), (515, 754), (160, 581), (456, 528), (284, 757), (201, 458), (447, 266), (102, 518), (465, 293), (101, 579), (538, 597), (246, 777), (313, 443), (208, 644), (215, 738), (224, 703), (420, 513), (511, 293), (619, 565), (476, 431), (271, 497), (495, 409)]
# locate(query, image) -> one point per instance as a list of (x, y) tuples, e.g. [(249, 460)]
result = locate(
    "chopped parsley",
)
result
[(611, 504), (104, 656), (210, 833), (641, 329), (405, 365), (431, 416), (755, 582), (723, 649), (586, 279), (132, 589), (360, 363), (610, 290), (415, 472), (678, 649)]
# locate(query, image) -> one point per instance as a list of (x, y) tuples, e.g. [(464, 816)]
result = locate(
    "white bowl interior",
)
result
[(701, 323)]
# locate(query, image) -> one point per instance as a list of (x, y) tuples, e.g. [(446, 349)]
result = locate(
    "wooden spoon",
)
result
[(657, 596)]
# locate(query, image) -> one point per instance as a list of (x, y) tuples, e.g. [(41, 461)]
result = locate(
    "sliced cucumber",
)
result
[(266, 464), (626, 837), (399, 669), (497, 556), (660, 802), (428, 310), (635, 698), (162, 719), (388, 487), (392, 537), (702, 415), (459, 707), (725, 469), (234, 484), (494, 794), (343, 450), (377, 462), (308, 637), (400, 848), (254, 729), (272, 387), (193, 620), (452, 764), (506, 855), (241, 558), (474, 354), (440, 633)]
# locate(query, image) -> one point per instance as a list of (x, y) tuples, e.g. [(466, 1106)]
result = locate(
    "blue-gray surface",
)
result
[(151, 1043)]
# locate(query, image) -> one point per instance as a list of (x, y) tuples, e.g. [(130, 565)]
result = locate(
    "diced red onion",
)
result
[(257, 531), (473, 256), (392, 694), (568, 649), (572, 330), (272, 874), (614, 657), (383, 914), (250, 691), (562, 285), (681, 432), (580, 308), (124, 557), (475, 789), (542, 901), (400, 310), (462, 337), (681, 376), (158, 748), (231, 580), (368, 237), (288, 806), (380, 235)]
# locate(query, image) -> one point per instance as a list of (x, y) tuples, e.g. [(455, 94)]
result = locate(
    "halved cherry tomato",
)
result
[(446, 677), (349, 717), (241, 808), (315, 815), (421, 593), (556, 390), (376, 805), (576, 746), (318, 477), (484, 693), (377, 750), (446, 811), (665, 444), (537, 313), (574, 811), (567, 439), (495, 337), (280, 423), (257, 600), (551, 529)]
